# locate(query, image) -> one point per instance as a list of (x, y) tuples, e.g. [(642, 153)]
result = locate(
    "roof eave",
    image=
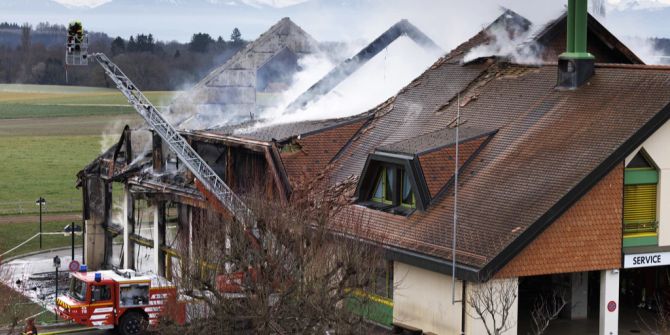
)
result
[(534, 230)]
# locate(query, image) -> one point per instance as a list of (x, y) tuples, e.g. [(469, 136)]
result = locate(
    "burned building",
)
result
[(265, 65), (246, 154), (557, 179)]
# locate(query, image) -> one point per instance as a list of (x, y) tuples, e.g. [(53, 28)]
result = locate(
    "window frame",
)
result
[(103, 288), (367, 183), (397, 200)]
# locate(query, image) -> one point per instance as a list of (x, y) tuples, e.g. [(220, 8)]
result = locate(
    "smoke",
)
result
[(512, 42), (110, 135), (647, 50), (374, 82)]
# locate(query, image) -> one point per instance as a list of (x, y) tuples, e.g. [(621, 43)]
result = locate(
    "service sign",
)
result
[(646, 260)]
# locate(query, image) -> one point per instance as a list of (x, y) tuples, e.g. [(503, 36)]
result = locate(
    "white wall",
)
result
[(657, 148), (422, 299), (475, 326)]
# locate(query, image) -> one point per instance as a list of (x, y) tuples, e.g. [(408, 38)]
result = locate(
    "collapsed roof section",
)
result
[(231, 88), (349, 66)]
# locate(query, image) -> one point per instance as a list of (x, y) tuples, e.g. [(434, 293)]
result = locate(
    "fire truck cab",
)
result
[(119, 299)]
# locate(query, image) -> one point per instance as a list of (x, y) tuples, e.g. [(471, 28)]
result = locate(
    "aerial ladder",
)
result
[(76, 54)]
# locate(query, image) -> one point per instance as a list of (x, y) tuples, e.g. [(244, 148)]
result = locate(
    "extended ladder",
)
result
[(201, 170)]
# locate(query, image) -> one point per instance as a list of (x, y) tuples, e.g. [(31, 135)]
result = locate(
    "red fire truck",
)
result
[(119, 299)]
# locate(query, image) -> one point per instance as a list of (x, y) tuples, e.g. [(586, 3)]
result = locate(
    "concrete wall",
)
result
[(657, 148), (475, 326), (422, 299)]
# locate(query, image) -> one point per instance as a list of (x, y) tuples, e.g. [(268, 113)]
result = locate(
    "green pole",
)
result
[(570, 48), (580, 19)]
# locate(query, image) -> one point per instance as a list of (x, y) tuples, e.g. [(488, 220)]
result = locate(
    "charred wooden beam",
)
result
[(159, 237), (158, 160), (228, 140), (280, 183)]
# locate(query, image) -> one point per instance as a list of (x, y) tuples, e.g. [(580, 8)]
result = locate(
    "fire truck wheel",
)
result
[(132, 323)]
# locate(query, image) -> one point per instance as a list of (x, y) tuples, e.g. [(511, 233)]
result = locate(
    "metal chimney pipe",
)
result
[(576, 65), (580, 18), (570, 48)]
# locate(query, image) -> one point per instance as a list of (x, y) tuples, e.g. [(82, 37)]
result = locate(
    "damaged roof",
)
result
[(231, 87), (550, 148), (548, 41), (279, 132)]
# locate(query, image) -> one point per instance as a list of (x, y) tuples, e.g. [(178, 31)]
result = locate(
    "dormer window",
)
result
[(393, 187), (407, 175)]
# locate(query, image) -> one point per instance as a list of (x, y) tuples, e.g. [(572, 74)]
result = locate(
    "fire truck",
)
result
[(119, 299)]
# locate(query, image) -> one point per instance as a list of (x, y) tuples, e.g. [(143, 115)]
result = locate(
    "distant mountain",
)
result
[(39, 5)]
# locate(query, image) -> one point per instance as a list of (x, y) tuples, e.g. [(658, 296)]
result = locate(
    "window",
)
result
[(134, 295), (406, 191), (383, 284), (393, 187), (77, 289), (640, 201), (100, 293)]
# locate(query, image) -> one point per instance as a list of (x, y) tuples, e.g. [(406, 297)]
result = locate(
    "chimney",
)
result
[(575, 65)]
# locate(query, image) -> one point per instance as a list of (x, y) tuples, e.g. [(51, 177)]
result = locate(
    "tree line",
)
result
[(35, 55)]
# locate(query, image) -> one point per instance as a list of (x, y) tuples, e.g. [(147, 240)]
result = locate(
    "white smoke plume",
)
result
[(377, 80), (509, 42), (647, 50), (110, 135)]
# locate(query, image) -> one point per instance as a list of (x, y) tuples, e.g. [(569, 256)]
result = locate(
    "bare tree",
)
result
[(296, 279), (546, 309), (12, 303), (661, 322), (492, 303)]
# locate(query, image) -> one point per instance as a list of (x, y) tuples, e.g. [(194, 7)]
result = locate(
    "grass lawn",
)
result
[(19, 111), (37, 101), (48, 133), (34, 166), (14, 234)]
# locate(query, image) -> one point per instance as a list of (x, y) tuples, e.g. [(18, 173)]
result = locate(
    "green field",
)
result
[(46, 166), (49, 133), (44, 101)]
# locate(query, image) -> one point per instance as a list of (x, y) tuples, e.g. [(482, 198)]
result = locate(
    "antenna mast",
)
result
[(453, 232)]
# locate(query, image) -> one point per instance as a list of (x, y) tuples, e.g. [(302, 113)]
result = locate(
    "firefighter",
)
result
[(75, 34), (30, 328)]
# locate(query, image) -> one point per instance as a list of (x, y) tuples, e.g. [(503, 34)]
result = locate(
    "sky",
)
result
[(447, 21)]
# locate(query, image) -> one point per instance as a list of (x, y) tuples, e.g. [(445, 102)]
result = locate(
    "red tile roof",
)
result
[(438, 166), (316, 151), (551, 147), (586, 237)]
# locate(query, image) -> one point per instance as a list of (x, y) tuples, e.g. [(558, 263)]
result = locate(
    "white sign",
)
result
[(646, 260)]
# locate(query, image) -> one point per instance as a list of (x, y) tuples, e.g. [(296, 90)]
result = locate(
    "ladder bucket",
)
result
[(76, 48)]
